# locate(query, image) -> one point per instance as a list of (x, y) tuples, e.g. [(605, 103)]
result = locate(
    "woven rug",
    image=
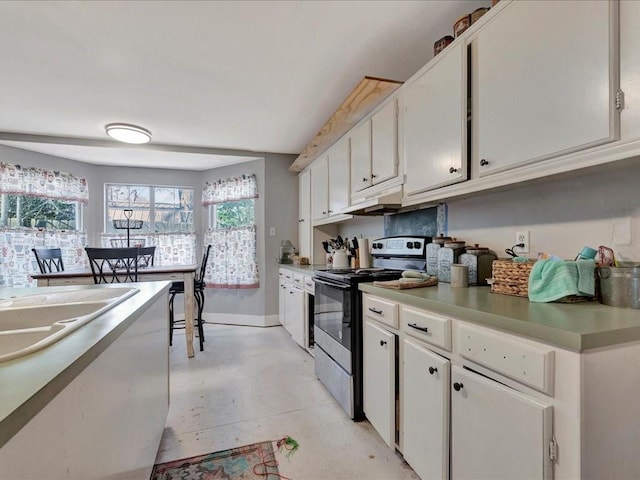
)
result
[(250, 462)]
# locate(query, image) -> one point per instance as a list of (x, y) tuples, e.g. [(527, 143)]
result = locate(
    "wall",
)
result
[(562, 214), (277, 206)]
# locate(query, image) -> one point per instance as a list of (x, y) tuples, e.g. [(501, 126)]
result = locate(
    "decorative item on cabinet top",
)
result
[(441, 44), (466, 21)]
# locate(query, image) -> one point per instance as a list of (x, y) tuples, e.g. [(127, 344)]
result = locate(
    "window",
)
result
[(160, 208), (232, 235), (26, 211)]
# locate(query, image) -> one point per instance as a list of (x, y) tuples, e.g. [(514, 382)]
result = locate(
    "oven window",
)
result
[(332, 313)]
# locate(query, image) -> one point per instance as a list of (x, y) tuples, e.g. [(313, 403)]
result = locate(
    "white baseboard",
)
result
[(239, 319)]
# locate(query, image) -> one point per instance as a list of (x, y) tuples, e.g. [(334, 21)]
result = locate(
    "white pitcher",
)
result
[(340, 259)]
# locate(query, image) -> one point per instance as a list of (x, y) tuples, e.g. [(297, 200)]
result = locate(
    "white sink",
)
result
[(32, 322)]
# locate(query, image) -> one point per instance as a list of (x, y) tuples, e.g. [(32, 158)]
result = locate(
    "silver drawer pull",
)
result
[(375, 310), (417, 327)]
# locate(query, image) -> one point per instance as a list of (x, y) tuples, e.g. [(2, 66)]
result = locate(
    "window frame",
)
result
[(213, 208), (79, 212), (152, 207)]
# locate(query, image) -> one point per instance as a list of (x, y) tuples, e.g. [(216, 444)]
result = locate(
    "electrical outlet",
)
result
[(522, 237)]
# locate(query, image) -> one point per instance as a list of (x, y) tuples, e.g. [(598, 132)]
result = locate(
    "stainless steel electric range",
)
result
[(338, 315)]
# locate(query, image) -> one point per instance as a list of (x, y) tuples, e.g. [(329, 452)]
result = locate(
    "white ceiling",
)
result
[(233, 78)]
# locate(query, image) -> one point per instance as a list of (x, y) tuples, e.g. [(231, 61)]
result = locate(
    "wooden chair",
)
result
[(113, 265), (145, 256), (198, 293), (49, 259)]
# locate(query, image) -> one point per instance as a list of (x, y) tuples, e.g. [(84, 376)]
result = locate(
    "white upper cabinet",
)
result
[(384, 143), (434, 126), (361, 157), (545, 77), (374, 149), (304, 213), (339, 176), (320, 188)]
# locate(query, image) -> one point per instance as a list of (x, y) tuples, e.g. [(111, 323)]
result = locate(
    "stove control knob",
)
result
[(409, 245), (377, 245), (417, 245)]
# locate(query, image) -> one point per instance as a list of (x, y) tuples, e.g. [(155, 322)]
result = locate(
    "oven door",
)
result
[(333, 312)]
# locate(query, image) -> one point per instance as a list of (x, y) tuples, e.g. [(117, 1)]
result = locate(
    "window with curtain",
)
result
[(39, 208), (233, 259), (165, 215)]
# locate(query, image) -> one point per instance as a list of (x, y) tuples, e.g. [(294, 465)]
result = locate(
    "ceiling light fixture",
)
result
[(128, 133)]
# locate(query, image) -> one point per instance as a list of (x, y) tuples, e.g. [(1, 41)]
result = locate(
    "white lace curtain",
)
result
[(38, 182), (172, 248), (232, 260)]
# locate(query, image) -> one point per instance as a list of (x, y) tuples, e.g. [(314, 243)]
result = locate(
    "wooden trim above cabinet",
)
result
[(367, 94)]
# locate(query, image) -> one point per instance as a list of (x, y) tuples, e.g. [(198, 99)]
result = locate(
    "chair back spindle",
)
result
[(49, 259)]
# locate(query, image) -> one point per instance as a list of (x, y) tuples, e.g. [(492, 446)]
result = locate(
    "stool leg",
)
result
[(200, 302)]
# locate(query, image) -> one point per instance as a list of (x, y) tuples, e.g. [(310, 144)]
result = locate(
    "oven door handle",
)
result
[(339, 286)]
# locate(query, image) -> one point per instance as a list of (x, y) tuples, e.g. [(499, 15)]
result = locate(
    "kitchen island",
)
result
[(93, 404)]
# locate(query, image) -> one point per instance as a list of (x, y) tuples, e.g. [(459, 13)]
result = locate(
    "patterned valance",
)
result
[(37, 182), (230, 189)]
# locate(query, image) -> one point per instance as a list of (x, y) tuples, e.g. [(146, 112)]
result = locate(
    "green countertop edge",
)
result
[(15, 417), (578, 327)]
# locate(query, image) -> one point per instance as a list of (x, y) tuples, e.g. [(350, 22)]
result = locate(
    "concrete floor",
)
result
[(255, 384)]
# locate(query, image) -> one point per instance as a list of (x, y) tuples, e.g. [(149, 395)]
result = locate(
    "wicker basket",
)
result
[(511, 278)]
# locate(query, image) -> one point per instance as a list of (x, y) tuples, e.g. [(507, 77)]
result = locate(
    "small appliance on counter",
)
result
[(479, 260), (447, 256)]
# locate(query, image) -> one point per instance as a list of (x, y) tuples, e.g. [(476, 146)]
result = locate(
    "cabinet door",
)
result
[(425, 411), (384, 143), (320, 188), (361, 157), (339, 176), (282, 303), (545, 81), (295, 314), (304, 213), (379, 380), (497, 432), (435, 124)]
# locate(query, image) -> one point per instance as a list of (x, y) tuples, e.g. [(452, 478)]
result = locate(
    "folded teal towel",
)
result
[(551, 280)]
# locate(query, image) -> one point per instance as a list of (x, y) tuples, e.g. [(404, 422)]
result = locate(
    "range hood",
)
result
[(389, 201)]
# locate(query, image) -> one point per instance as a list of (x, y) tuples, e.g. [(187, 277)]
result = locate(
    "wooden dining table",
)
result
[(184, 273)]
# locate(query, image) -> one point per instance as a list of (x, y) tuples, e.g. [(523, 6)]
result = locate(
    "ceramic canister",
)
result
[(340, 259), (447, 256), (432, 253), (459, 275), (480, 261)]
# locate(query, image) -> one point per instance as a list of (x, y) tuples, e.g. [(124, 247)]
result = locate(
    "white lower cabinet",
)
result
[(292, 306), (497, 432), (425, 410), (379, 380)]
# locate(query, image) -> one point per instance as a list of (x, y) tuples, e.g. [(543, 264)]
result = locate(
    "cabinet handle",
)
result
[(324, 212), (383, 343), (375, 310), (330, 211), (453, 170), (365, 179), (457, 386), (373, 175), (484, 162), (415, 325), (432, 370), (301, 220)]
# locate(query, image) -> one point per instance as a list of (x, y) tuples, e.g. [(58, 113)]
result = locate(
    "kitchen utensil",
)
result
[(325, 245), (339, 242), (620, 286)]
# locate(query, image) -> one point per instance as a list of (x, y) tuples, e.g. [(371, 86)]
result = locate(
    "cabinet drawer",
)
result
[(298, 279), (309, 284), (427, 327), (530, 364), (381, 310), (150, 277), (288, 274)]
